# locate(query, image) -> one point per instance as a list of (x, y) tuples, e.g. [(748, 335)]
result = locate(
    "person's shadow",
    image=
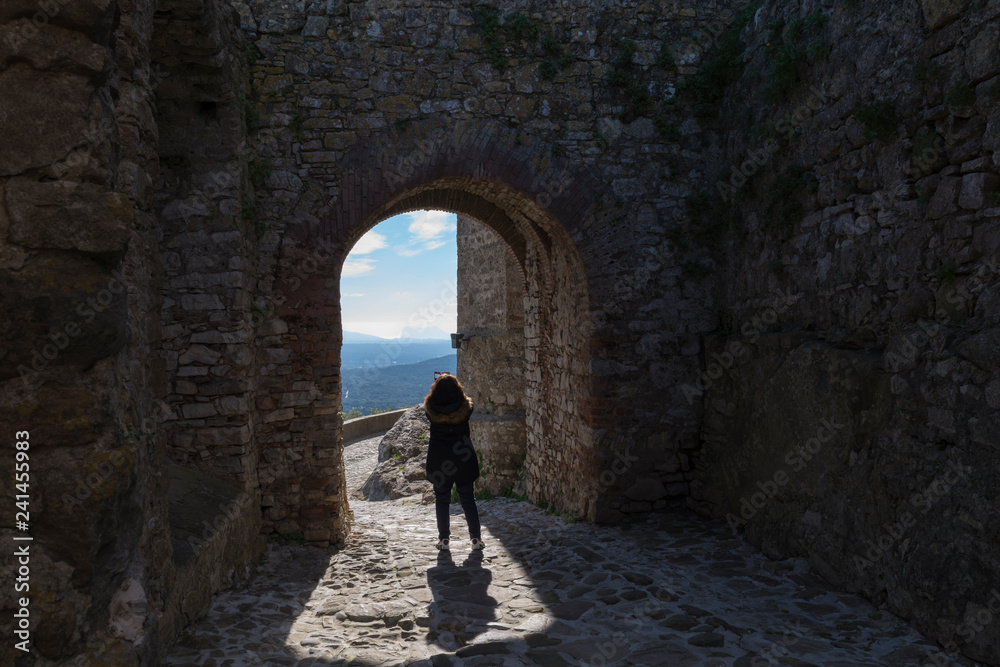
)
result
[(461, 607)]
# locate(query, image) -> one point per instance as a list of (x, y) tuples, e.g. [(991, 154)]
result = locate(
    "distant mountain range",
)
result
[(409, 335), (355, 337), (395, 386), (392, 372), (426, 333)]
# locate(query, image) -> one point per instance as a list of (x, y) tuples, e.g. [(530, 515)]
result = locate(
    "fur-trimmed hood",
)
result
[(457, 416)]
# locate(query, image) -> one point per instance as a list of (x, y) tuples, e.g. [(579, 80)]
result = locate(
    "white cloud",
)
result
[(370, 242), (354, 294), (426, 230), (428, 225), (357, 267)]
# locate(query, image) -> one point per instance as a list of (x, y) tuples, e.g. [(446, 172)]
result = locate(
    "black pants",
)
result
[(442, 498)]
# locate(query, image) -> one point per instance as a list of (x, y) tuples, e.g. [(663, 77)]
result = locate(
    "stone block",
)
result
[(981, 60), (94, 18), (988, 305), (939, 13), (219, 337), (274, 355), (677, 489), (316, 26), (232, 405), (279, 415), (199, 354), (943, 201), (272, 328), (68, 216), (198, 410), (462, 17), (228, 435), (317, 535), (44, 132), (986, 238), (51, 49), (186, 388), (201, 302), (636, 506), (296, 398), (977, 190), (983, 349), (984, 431), (647, 488)]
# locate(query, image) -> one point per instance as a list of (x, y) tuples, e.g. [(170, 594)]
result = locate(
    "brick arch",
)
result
[(474, 173), (475, 167)]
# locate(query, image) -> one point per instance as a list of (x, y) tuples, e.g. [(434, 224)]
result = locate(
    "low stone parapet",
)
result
[(370, 424)]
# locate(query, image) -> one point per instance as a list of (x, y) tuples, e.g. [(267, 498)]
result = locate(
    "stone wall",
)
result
[(359, 427), (80, 298), (491, 362), (88, 88), (371, 109), (172, 289), (851, 395)]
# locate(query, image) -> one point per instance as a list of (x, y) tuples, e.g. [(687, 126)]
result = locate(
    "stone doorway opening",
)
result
[(301, 465), (398, 299), (407, 279)]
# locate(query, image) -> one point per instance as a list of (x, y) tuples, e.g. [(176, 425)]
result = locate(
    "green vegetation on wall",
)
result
[(723, 66), (791, 50), (521, 35)]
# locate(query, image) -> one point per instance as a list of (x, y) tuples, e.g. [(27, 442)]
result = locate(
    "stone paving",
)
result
[(672, 591)]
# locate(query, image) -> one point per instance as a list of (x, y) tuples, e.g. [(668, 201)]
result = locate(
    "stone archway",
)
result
[(471, 173)]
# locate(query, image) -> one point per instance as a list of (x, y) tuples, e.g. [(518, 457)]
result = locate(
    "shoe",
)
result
[(444, 545), (478, 544)]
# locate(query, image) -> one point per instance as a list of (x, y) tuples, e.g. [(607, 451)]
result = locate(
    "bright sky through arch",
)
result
[(402, 274)]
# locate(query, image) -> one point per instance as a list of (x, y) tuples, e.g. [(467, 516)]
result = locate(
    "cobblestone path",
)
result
[(672, 591)]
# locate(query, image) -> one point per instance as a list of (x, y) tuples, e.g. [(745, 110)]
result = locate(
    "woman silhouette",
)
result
[(451, 459)]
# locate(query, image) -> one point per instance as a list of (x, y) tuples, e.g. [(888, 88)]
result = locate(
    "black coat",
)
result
[(450, 455)]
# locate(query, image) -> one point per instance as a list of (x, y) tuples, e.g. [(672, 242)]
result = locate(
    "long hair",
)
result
[(444, 386)]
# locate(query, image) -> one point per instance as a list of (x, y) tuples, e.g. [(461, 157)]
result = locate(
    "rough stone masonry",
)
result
[(755, 250)]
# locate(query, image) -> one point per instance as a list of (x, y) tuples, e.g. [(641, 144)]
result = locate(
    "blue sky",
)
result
[(402, 274)]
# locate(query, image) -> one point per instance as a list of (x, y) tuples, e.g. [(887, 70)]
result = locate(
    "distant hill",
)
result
[(391, 353), (396, 386), (355, 337), (425, 333)]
